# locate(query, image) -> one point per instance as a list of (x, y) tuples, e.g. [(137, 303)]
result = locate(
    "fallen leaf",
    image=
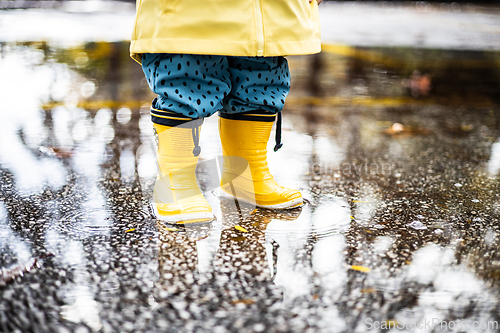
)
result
[(129, 230), (56, 152), (240, 228), (368, 290), (361, 268), (243, 301)]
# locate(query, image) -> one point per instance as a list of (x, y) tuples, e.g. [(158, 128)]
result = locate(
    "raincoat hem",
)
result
[(224, 48)]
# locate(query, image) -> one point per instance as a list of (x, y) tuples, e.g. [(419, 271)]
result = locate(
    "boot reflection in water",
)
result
[(241, 275), (242, 253), (178, 258)]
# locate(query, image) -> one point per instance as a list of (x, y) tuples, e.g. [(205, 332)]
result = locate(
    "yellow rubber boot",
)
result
[(177, 197), (246, 141)]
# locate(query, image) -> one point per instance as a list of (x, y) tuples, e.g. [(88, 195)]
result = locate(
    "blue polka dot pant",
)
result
[(197, 86)]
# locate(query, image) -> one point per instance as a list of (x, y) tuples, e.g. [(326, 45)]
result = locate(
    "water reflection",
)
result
[(238, 291), (399, 169)]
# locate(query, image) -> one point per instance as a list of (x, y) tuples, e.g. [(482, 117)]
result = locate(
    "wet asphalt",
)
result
[(397, 151)]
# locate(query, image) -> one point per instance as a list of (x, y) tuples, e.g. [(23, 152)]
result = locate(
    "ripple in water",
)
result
[(328, 218), (100, 222)]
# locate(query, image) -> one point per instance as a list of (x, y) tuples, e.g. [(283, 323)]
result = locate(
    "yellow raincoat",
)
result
[(226, 27)]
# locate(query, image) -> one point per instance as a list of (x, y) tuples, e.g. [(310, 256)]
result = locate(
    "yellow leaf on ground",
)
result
[(368, 290), (361, 269), (240, 228), (243, 301), (129, 230)]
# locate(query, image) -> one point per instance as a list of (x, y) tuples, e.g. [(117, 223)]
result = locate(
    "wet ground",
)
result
[(397, 151)]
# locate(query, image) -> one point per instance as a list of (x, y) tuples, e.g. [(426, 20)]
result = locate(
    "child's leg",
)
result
[(188, 87), (259, 89), (193, 86), (258, 84)]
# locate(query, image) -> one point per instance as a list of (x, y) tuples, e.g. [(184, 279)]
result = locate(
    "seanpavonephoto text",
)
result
[(432, 323)]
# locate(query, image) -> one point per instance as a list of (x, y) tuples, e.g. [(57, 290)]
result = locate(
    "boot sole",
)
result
[(183, 218), (296, 203)]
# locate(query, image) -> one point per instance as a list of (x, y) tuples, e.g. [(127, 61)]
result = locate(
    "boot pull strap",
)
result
[(172, 119), (275, 258), (195, 131), (278, 133)]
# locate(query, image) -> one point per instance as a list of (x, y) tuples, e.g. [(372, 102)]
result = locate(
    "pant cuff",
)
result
[(172, 119), (264, 116)]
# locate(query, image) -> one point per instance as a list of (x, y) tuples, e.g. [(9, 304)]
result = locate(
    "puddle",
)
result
[(394, 149)]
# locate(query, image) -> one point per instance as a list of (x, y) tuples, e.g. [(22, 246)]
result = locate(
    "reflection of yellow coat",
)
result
[(226, 27)]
